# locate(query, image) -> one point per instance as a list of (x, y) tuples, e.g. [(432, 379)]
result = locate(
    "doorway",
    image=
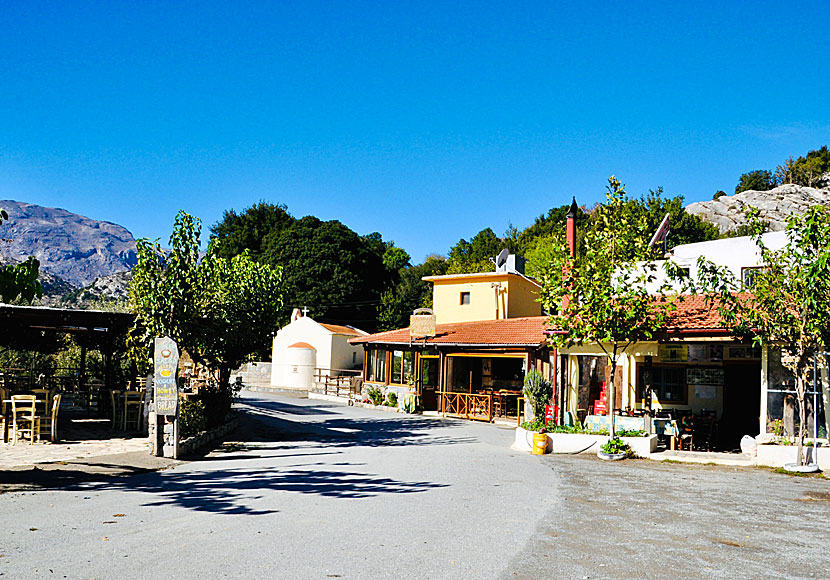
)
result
[(741, 403), (428, 382)]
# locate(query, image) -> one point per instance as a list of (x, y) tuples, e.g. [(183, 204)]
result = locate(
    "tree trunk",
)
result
[(611, 397), (801, 393), (825, 395)]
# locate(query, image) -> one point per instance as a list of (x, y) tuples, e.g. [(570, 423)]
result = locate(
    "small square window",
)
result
[(465, 298)]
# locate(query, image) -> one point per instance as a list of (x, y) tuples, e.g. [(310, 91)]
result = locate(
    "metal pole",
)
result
[(815, 409)]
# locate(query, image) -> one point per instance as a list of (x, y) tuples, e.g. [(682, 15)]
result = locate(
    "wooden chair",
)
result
[(24, 418), (49, 422), (133, 410), (4, 395), (117, 400), (687, 433)]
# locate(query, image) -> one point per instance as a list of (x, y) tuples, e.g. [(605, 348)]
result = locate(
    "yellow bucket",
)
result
[(540, 443)]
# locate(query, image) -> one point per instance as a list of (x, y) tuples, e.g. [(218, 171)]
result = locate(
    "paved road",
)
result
[(319, 490)]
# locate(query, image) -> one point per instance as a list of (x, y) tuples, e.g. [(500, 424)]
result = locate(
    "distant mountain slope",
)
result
[(111, 288), (775, 206), (71, 246)]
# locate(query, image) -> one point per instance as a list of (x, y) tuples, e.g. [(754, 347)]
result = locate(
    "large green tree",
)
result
[(220, 310), (788, 303), (600, 297), (477, 254), (411, 292), (758, 180), (336, 273), (237, 232)]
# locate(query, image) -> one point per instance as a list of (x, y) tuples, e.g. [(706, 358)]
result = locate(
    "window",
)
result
[(403, 367), (670, 383), (465, 298), (748, 276), (376, 366)]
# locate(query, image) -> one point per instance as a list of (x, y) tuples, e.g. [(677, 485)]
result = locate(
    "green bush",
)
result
[(538, 391), (375, 395), (631, 433), (391, 399), (192, 419), (218, 400), (615, 445)]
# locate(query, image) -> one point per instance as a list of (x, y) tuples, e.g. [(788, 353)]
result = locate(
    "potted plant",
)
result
[(614, 449)]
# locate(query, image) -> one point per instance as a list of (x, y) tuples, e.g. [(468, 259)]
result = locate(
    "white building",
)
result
[(739, 255), (305, 347)]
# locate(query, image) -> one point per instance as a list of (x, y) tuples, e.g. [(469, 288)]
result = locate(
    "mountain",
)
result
[(111, 288), (775, 206), (71, 246)]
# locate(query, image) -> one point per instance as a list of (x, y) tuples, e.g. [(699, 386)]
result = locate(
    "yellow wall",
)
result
[(516, 297)]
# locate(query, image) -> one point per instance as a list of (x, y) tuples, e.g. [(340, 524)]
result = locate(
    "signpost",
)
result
[(165, 421), (166, 363)]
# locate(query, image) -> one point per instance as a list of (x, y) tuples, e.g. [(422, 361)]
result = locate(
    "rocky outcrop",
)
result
[(73, 247), (112, 288), (775, 206)]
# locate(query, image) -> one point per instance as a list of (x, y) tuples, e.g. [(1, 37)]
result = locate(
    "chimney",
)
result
[(570, 232)]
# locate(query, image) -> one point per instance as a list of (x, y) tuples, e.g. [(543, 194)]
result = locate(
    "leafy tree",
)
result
[(547, 225), (247, 230), (758, 180), (718, 194), (327, 267), (19, 280), (810, 170), (219, 310), (411, 292), (600, 298), (788, 304), (164, 291), (240, 305), (475, 255), (686, 228)]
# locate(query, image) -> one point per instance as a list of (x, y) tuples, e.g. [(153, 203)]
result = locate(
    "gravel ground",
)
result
[(311, 489)]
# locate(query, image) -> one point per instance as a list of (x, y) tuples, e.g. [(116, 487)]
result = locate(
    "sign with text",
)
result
[(166, 363), (422, 323)]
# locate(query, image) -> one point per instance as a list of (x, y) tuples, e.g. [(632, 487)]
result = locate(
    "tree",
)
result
[(547, 225), (411, 292), (240, 303), (475, 255), (685, 228), (327, 267), (600, 298), (19, 280), (810, 170), (219, 310), (718, 194), (758, 180), (236, 233), (164, 291), (788, 304)]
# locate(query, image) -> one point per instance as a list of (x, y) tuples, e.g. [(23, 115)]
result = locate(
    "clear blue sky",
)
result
[(424, 121)]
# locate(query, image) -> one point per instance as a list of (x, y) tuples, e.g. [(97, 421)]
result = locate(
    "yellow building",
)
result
[(484, 296)]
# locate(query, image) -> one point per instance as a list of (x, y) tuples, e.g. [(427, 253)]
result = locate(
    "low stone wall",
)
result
[(199, 442), (779, 455), (574, 443)]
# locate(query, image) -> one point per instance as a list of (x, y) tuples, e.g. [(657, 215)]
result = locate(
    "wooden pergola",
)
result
[(25, 327)]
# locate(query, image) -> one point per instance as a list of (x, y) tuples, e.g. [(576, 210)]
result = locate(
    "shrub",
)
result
[(375, 395), (631, 433), (218, 400), (616, 445), (538, 391), (391, 399), (192, 419)]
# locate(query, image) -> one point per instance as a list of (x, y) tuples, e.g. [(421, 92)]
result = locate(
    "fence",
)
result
[(347, 383)]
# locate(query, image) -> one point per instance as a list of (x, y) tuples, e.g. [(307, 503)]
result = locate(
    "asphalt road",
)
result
[(319, 490)]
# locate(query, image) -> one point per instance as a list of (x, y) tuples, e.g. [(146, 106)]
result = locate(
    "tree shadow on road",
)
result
[(237, 491)]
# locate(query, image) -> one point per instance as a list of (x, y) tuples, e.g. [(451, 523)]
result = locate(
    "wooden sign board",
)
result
[(673, 352), (422, 323), (166, 363)]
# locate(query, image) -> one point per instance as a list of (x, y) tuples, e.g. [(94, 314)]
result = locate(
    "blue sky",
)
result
[(423, 121)]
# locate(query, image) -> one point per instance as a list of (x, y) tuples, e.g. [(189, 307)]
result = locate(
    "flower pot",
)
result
[(611, 456)]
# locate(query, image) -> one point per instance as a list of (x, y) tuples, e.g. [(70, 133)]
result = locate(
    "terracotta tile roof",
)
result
[(338, 329), (508, 332), (694, 314)]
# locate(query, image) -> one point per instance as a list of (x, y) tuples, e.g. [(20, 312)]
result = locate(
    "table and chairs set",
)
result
[(32, 414)]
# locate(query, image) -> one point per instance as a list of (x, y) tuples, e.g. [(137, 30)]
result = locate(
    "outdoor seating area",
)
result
[(677, 430), (483, 405)]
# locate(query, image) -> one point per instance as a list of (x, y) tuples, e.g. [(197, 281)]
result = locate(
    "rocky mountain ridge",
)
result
[(775, 206), (73, 247)]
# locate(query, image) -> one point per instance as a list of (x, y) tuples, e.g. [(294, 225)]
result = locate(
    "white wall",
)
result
[(301, 330)]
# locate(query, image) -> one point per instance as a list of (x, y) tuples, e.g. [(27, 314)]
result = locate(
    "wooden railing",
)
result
[(346, 383), (478, 407)]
